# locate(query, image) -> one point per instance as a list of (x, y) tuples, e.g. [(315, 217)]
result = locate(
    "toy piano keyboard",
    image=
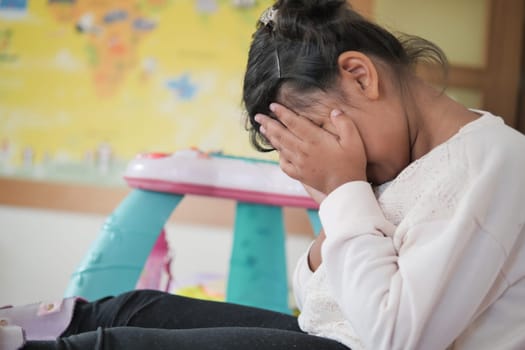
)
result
[(257, 274), (214, 174)]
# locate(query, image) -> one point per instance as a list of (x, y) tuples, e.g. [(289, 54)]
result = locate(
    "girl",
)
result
[(421, 199)]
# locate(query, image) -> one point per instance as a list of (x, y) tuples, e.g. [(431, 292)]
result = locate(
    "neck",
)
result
[(433, 118)]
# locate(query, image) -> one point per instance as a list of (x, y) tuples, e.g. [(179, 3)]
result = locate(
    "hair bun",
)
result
[(296, 17), (316, 10)]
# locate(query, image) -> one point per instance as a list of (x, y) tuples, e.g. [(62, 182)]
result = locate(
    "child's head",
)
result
[(295, 56)]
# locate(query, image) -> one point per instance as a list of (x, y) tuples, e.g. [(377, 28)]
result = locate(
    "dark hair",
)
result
[(300, 48)]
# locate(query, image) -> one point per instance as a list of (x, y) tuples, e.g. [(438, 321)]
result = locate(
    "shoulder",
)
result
[(494, 192), (483, 163), (489, 145)]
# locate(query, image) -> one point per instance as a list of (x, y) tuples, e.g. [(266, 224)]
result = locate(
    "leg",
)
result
[(230, 338), (154, 309)]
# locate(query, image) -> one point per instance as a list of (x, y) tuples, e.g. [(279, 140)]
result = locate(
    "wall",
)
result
[(86, 84), (463, 38)]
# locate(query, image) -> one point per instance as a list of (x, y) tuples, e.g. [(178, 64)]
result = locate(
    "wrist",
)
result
[(332, 186)]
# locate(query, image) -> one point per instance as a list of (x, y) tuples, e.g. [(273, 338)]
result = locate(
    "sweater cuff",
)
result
[(347, 206)]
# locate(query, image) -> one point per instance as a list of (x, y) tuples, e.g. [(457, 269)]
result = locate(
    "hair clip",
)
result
[(268, 16)]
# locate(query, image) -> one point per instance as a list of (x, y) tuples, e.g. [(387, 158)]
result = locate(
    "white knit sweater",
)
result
[(435, 259)]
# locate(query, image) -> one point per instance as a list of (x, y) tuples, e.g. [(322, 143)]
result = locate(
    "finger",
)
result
[(300, 126), (287, 167), (346, 129), (276, 133), (288, 154)]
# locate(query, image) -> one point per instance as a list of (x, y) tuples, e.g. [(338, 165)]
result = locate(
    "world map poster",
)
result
[(85, 85)]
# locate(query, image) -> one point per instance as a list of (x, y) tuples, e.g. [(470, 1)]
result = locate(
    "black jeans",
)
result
[(155, 320)]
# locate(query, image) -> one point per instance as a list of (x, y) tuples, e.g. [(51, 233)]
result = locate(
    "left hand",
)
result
[(312, 155)]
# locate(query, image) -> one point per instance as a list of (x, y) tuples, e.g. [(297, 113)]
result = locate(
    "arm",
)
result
[(311, 259), (306, 265), (314, 252), (422, 296), (284, 141)]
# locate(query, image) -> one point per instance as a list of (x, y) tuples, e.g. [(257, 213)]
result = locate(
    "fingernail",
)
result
[(258, 118), (273, 107), (335, 112), (262, 129)]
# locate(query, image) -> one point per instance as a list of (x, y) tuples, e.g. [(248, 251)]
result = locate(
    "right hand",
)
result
[(313, 155)]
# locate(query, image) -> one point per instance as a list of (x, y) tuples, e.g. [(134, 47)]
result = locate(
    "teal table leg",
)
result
[(313, 215), (116, 259), (257, 274)]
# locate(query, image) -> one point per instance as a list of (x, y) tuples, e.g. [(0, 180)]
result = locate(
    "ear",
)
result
[(359, 68)]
